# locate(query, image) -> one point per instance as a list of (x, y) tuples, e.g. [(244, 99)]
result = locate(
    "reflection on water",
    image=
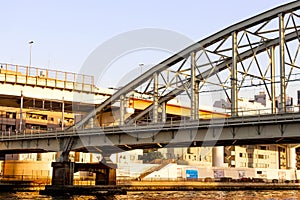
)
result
[(187, 195), (212, 195)]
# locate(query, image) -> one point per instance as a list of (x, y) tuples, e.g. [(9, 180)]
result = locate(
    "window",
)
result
[(242, 155), (263, 147), (11, 115), (132, 157), (260, 156), (261, 165)]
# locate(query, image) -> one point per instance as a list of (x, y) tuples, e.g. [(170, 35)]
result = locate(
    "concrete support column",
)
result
[(63, 114), (63, 173), (291, 157), (163, 112), (21, 113), (218, 156), (106, 177)]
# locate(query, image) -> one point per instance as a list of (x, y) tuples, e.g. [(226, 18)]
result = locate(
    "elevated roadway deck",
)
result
[(262, 129)]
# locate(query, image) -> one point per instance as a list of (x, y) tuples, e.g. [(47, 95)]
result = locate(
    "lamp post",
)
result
[(30, 46), (141, 66)]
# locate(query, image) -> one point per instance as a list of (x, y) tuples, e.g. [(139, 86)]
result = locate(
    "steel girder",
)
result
[(228, 60)]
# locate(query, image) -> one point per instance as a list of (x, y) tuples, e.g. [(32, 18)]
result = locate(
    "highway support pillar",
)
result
[(218, 156), (107, 176), (107, 173), (291, 157), (62, 173), (21, 113), (122, 110)]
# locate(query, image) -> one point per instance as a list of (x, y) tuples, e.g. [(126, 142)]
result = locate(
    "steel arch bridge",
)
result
[(262, 50)]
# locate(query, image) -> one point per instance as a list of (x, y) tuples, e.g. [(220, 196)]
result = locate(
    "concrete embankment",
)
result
[(186, 186), (11, 186), (95, 190)]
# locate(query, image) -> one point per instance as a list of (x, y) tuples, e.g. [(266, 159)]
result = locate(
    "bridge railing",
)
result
[(225, 113), (243, 118), (25, 75)]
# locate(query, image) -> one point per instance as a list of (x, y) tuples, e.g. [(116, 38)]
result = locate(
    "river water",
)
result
[(187, 195)]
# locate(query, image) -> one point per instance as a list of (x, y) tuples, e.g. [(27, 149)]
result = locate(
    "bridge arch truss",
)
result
[(260, 51)]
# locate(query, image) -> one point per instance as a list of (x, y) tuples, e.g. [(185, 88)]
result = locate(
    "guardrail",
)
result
[(25, 75), (171, 125)]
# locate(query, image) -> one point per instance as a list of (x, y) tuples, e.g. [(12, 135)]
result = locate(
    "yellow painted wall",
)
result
[(27, 170), (141, 104)]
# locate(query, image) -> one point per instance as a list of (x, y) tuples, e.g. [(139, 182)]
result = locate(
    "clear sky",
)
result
[(66, 32)]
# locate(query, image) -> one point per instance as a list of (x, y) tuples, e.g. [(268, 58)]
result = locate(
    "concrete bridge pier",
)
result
[(218, 156), (107, 173), (291, 157), (63, 173)]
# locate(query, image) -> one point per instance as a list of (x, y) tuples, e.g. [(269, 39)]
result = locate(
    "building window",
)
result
[(11, 115), (242, 155), (261, 165), (250, 155), (260, 156), (263, 147), (132, 157)]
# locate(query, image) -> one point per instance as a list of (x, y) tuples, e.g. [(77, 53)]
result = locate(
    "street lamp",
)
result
[(30, 46), (141, 66)]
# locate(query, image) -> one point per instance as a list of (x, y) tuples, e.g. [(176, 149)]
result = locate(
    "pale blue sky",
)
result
[(66, 32)]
